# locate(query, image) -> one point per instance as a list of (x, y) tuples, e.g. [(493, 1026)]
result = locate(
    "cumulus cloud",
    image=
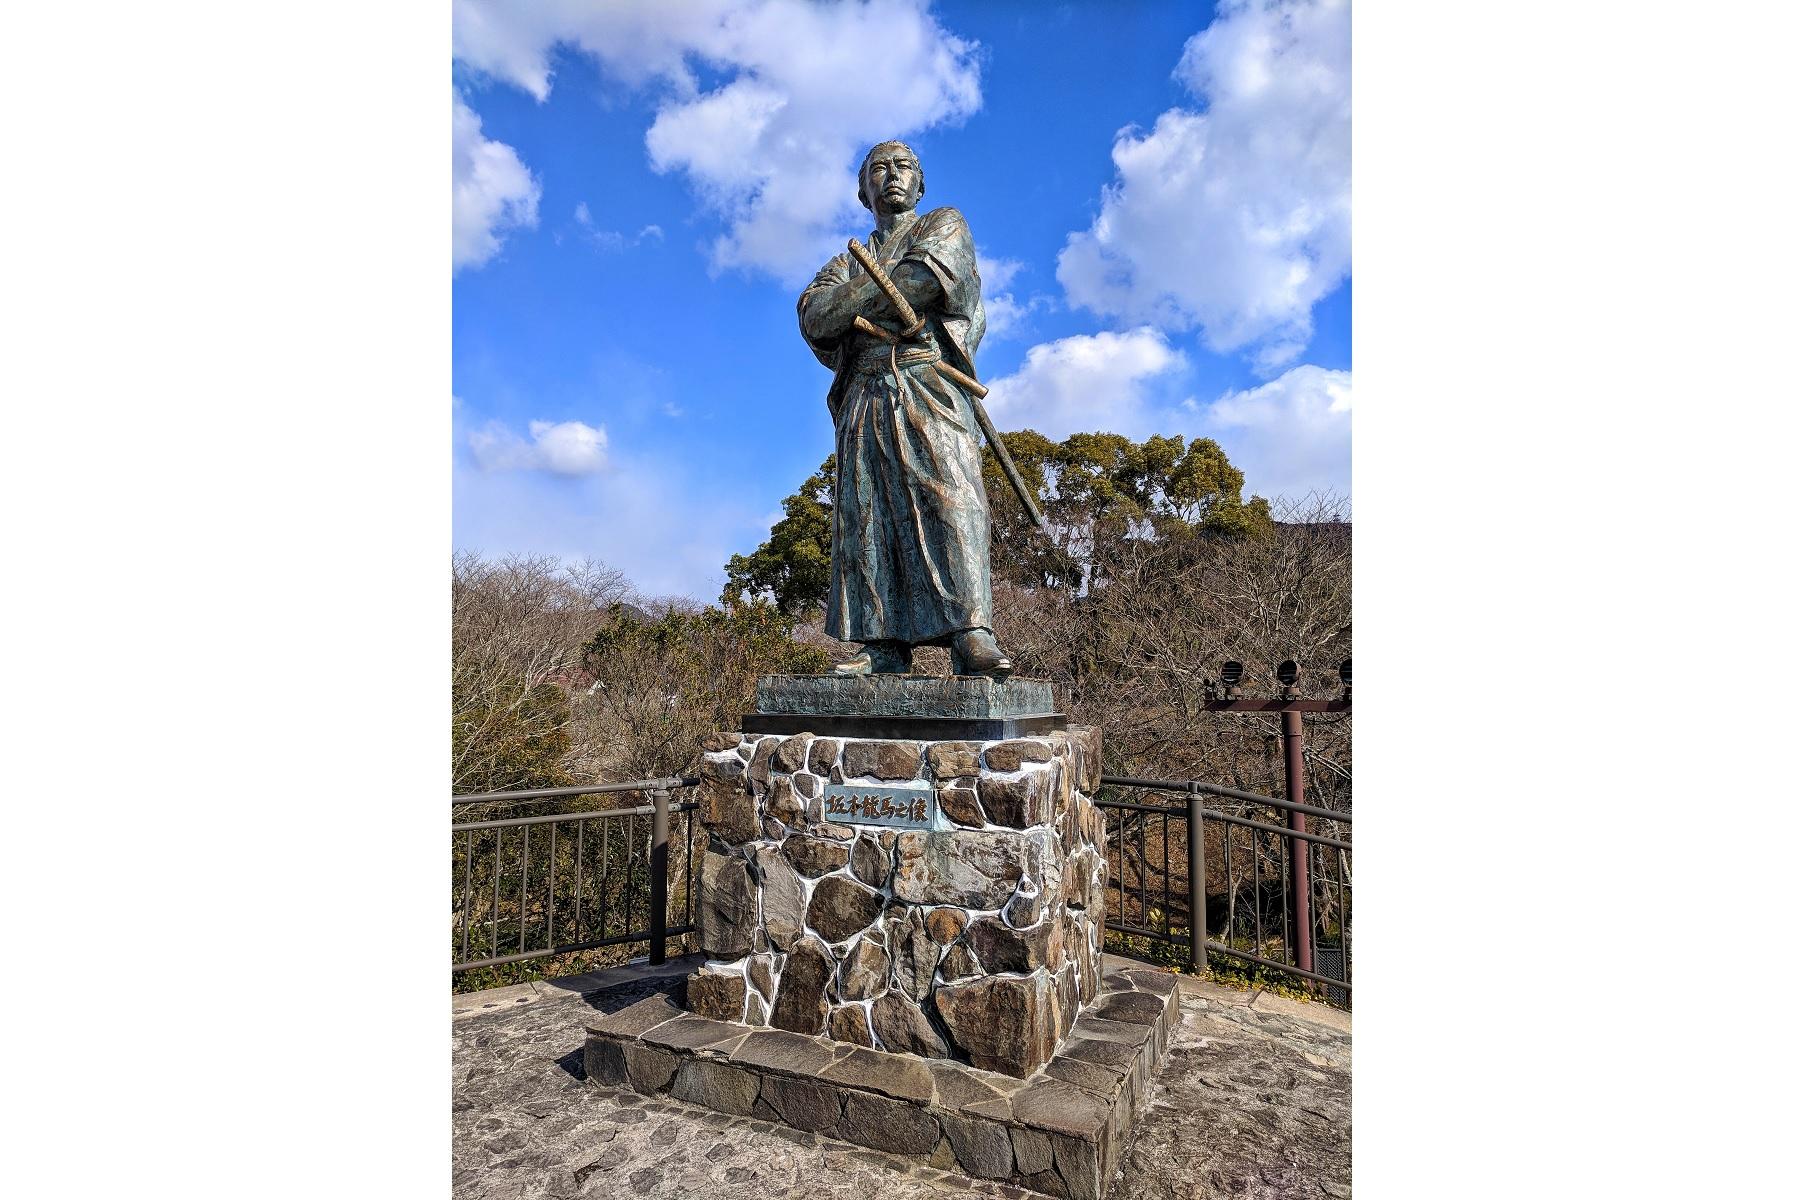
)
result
[(1005, 312), (1098, 381), (560, 448), (1290, 436), (491, 191), (1236, 216), (802, 90)]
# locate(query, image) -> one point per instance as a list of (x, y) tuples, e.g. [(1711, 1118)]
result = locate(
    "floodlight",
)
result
[(1231, 673), (1287, 672), (1344, 672)]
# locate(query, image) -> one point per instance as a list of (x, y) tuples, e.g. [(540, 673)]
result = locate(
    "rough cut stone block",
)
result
[(1003, 948), (777, 1052), (966, 867), (944, 924), (636, 1019), (950, 760), (814, 857), (822, 755), (716, 1086), (1009, 756), (982, 1148), (727, 906), (800, 997), (1032, 1151), (882, 760), (959, 963), (890, 1125), (903, 1029), (648, 1069), (850, 1024), (783, 917), (790, 754), (841, 909), (915, 954), (603, 1060), (728, 810), (869, 862), (758, 769), (813, 1107), (863, 974), (717, 995), (1018, 802), (961, 806), (689, 1033), (893, 1075), (1003, 1023)]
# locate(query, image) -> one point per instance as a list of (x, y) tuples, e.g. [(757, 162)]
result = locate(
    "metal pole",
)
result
[(1293, 744), (659, 875), (1196, 886)]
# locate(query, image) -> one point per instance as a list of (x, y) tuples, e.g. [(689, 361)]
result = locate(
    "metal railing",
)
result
[(1271, 892), (601, 877)]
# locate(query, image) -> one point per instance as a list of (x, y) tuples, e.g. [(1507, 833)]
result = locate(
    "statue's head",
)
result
[(891, 179)]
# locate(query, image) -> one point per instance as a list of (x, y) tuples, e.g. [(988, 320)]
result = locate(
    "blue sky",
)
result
[(1159, 193)]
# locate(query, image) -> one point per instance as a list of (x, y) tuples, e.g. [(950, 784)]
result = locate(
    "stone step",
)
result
[(1059, 1132)]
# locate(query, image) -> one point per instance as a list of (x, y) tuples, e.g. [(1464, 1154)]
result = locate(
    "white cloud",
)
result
[(1005, 312), (1290, 436), (611, 240), (1089, 382), (772, 149), (491, 191), (561, 448), (1236, 217)]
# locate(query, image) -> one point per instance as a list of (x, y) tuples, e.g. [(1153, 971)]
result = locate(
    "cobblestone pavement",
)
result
[(1253, 1101)]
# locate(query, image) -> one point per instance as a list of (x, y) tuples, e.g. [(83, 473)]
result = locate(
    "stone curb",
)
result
[(1061, 1132)]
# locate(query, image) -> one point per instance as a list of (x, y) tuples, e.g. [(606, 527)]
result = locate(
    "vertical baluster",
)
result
[(468, 873), (550, 896), (1256, 886), (1165, 877), (605, 867), (524, 883), (1286, 846), (499, 836), (580, 850)]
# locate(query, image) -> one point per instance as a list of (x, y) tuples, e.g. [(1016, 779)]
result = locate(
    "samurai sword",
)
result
[(916, 325)]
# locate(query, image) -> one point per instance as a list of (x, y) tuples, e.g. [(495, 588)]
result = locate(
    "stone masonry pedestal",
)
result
[(941, 898)]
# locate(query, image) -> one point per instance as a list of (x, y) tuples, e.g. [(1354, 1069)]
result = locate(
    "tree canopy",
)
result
[(1087, 485)]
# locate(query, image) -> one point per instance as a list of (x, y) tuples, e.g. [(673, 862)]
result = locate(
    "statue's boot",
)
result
[(878, 658), (975, 652)]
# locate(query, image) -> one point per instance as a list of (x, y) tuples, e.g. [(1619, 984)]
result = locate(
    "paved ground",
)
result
[(1253, 1101)]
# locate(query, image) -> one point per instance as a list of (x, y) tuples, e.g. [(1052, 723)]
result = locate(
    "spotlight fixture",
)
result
[(1231, 674), (1344, 674), (1287, 674)]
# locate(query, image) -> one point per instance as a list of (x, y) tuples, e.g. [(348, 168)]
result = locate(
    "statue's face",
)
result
[(891, 180)]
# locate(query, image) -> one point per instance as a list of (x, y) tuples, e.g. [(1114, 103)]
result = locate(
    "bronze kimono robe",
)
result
[(909, 535)]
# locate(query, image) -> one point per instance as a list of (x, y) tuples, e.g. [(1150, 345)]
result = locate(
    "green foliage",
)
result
[(794, 565), (1088, 485)]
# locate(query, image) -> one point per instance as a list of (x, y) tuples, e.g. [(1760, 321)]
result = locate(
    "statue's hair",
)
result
[(862, 172)]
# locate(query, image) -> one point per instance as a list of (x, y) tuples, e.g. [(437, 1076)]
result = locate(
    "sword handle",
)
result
[(913, 322)]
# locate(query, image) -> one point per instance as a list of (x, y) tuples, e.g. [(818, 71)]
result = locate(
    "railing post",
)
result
[(659, 875), (1300, 851), (1196, 832)]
